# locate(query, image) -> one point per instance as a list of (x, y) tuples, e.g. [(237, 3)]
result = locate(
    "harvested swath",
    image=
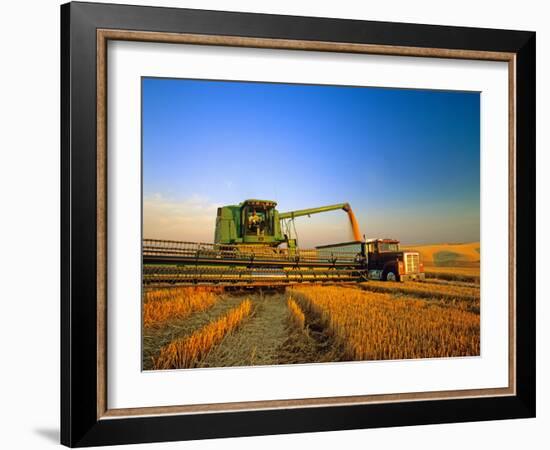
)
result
[(467, 274), (162, 305), (375, 326), (295, 312), (425, 290), (156, 337), (450, 282), (188, 351)]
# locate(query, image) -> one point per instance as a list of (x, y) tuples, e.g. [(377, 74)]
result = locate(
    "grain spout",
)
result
[(354, 225)]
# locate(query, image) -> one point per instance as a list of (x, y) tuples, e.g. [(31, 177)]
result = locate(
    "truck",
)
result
[(383, 258)]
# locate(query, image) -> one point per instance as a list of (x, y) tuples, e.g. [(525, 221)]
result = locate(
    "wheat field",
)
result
[(425, 289), (374, 326), (190, 327)]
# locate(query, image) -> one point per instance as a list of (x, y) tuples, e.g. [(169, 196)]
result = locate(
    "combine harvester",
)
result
[(255, 244)]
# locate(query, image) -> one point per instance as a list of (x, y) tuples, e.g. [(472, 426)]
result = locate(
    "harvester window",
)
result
[(255, 221)]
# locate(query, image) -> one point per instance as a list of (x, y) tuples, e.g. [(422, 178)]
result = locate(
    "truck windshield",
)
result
[(388, 247)]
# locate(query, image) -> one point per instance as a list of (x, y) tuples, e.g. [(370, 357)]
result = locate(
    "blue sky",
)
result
[(406, 160)]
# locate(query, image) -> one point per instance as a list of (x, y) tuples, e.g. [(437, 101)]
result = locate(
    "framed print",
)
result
[(276, 224)]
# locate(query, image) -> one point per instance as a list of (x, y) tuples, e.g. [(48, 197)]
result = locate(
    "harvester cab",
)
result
[(257, 222), (250, 222)]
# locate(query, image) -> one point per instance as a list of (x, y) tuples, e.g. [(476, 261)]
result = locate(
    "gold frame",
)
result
[(103, 36)]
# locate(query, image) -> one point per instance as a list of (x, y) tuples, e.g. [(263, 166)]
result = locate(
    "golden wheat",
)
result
[(469, 274), (295, 312), (373, 326), (188, 351), (425, 289), (162, 305)]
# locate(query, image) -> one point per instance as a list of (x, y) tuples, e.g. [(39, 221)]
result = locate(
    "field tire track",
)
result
[(257, 341)]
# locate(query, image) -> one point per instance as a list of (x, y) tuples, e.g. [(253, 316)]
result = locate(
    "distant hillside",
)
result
[(448, 254)]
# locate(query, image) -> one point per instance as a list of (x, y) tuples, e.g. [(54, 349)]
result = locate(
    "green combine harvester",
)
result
[(254, 244)]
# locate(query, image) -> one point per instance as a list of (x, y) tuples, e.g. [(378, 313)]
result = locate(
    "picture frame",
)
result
[(86, 418)]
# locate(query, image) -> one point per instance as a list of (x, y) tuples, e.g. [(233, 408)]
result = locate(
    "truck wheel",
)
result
[(390, 276)]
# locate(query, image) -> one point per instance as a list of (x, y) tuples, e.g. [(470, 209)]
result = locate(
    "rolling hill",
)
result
[(445, 255)]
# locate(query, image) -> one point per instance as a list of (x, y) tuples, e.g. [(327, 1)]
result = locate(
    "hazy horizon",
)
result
[(406, 160)]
